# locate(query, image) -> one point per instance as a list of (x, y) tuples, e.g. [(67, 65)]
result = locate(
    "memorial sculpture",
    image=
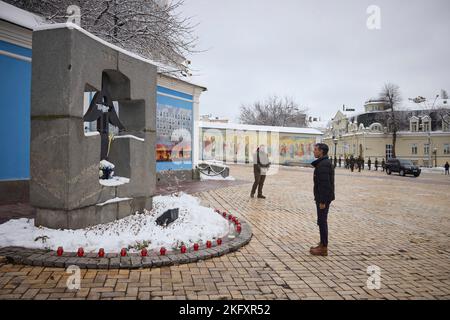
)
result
[(65, 187)]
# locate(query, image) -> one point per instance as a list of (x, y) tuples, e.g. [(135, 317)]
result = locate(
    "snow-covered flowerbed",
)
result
[(194, 224)]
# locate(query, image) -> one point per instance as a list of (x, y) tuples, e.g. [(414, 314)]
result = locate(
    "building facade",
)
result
[(423, 136)]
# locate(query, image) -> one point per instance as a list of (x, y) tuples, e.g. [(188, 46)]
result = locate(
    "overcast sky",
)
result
[(319, 52)]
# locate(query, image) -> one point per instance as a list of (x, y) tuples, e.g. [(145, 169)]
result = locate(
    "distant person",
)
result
[(340, 161), (261, 165), (447, 166), (369, 163), (383, 164), (323, 195), (360, 163), (352, 163), (376, 164)]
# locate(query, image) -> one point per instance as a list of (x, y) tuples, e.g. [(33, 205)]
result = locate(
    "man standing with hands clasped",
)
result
[(261, 165), (323, 195)]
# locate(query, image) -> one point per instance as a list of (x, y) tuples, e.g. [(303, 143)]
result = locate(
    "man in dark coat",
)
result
[(376, 164), (369, 163), (447, 167), (323, 195), (340, 161), (261, 165), (383, 164), (352, 163)]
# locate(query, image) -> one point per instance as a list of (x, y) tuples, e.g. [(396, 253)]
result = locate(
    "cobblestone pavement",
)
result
[(400, 224)]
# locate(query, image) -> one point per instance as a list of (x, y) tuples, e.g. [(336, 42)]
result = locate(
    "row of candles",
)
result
[(163, 251)]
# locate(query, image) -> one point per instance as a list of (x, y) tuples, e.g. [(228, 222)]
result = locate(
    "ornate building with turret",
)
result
[(423, 131)]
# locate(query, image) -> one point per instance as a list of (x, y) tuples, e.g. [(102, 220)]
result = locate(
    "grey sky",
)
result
[(319, 52)]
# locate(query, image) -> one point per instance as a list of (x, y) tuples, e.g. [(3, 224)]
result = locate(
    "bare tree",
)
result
[(151, 28), (390, 93), (274, 111)]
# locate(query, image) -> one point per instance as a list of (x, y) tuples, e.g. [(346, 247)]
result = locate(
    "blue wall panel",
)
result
[(15, 91)]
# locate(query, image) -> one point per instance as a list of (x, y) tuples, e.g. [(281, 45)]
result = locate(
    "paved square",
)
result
[(400, 224)]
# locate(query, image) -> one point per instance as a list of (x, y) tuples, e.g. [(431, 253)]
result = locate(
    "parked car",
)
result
[(402, 166)]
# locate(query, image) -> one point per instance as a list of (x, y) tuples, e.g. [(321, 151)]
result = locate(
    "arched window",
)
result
[(426, 123), (376, 127), (414, 124)]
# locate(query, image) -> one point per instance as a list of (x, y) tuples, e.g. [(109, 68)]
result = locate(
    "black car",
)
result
[(403, 167)]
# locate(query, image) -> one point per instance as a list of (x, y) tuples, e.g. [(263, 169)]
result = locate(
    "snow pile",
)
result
[(114, 181), (104, 164), (194, 224), (219, 177)]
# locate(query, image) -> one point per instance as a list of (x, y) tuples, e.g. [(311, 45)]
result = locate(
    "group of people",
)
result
[(323, 188), (353, 163)]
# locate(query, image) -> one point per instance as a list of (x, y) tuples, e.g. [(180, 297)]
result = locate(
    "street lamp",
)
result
[(435, 157), (335, 140), (430, 164)]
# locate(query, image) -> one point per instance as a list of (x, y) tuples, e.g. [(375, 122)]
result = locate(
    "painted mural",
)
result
[(234, 146), (296, 149), (174, 124)]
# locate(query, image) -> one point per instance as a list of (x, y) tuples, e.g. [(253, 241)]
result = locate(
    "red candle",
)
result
[(219, 242), (60, 251), (123, 252), (144, 252), (162, 251), (208, 244), (101, 252), (80, 252), (195, 246), (183, 249)]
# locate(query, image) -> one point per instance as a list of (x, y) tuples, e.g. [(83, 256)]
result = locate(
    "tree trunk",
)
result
[(394, 141)]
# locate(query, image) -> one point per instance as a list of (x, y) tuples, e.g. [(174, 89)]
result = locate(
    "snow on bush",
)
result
[(194, 224)]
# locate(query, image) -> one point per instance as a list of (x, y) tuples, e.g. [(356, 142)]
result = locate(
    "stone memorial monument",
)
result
[(65, 161)]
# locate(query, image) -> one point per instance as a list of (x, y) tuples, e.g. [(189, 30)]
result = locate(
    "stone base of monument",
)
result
[(114, 260)]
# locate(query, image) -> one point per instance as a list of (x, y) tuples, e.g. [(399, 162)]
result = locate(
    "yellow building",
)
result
[(424, 137)]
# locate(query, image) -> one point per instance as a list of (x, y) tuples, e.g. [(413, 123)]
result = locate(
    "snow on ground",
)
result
[(205, 177), (194, 224), (440, 170)]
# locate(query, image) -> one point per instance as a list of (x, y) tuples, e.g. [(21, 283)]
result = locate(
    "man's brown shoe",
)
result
[(320, 250)]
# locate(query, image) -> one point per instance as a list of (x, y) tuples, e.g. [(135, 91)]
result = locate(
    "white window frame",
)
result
[(426, 149), (446, 148), (414, 148)]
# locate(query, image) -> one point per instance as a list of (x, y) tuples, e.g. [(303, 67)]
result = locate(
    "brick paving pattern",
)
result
[(400, 224)]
